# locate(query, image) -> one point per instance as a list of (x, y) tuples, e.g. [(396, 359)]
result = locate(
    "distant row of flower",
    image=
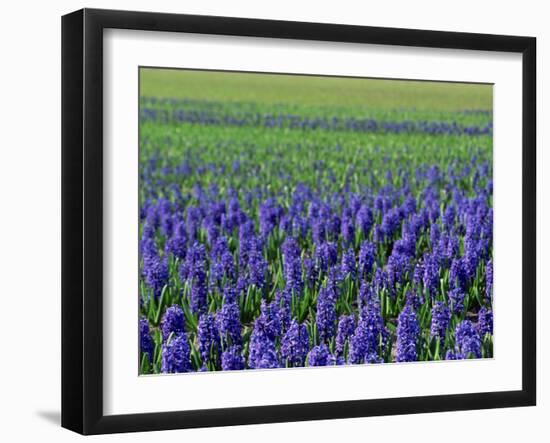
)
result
[(291, 121)]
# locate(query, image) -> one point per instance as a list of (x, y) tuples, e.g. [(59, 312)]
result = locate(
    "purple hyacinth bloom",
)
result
[(371, 338), (295, 344), (283, 300), (334, 225), (434, 175), (247, 241), (418, 275), (489, 281), (409, 206), (414, 299), (229, 295), (367, 255), (152, 216), (173, 321), (379, 203), (311, 272), (396, 269), (228, 321), (408, 334), (451, 355), (270, 214), (366, 294), (485, 321), (458, 276), (234, 205), (292, 266), (405, 246), (335, 279), (318, 231), (380, 279), (441, 317), (471, 260), (449, 218), (300, 226), (449, 248), (257, 266), (193, 222), (355, 202), (326, 256), (232, 359), (456, 299), (196, 255), (378, 235), (326, 314), (146, 344), (208, 336), (147, 244), (242, 284), (346, 328), (365, 219), (331, 253), (212, 229), (262, 354), (199, 293), (194, 270), (165, 213), (319, 356), (269, 321), (176, 355), (155, 270), (199, 289), (349, 266), (269, 359), (222, 263), (228, 264), (223, 267), (467, 342), (390, 223), (348, 230), (177, 244), (286, 224), (228, 223), (431, 274)]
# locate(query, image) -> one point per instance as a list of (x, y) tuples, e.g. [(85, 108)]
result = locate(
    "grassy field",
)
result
[(313, 90)]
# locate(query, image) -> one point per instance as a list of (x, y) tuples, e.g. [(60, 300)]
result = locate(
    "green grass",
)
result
[(272, 89)]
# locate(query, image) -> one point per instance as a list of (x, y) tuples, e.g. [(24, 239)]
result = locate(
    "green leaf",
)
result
[(191, 319), (145, 364), (196, 360), (160, 306), (392, 328), (436, 352)]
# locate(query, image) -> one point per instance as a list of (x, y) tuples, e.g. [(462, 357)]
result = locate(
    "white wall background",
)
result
[(30, 188)]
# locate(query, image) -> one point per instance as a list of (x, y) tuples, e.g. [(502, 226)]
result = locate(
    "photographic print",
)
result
[(291, 221)]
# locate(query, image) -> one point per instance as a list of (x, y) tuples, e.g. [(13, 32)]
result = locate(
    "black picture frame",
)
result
[(82, 218)]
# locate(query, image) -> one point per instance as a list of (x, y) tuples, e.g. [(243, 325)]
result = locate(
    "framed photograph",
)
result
[(269, 221)]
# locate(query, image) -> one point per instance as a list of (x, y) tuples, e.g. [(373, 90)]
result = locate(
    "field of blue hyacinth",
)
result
[(282, 234)]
